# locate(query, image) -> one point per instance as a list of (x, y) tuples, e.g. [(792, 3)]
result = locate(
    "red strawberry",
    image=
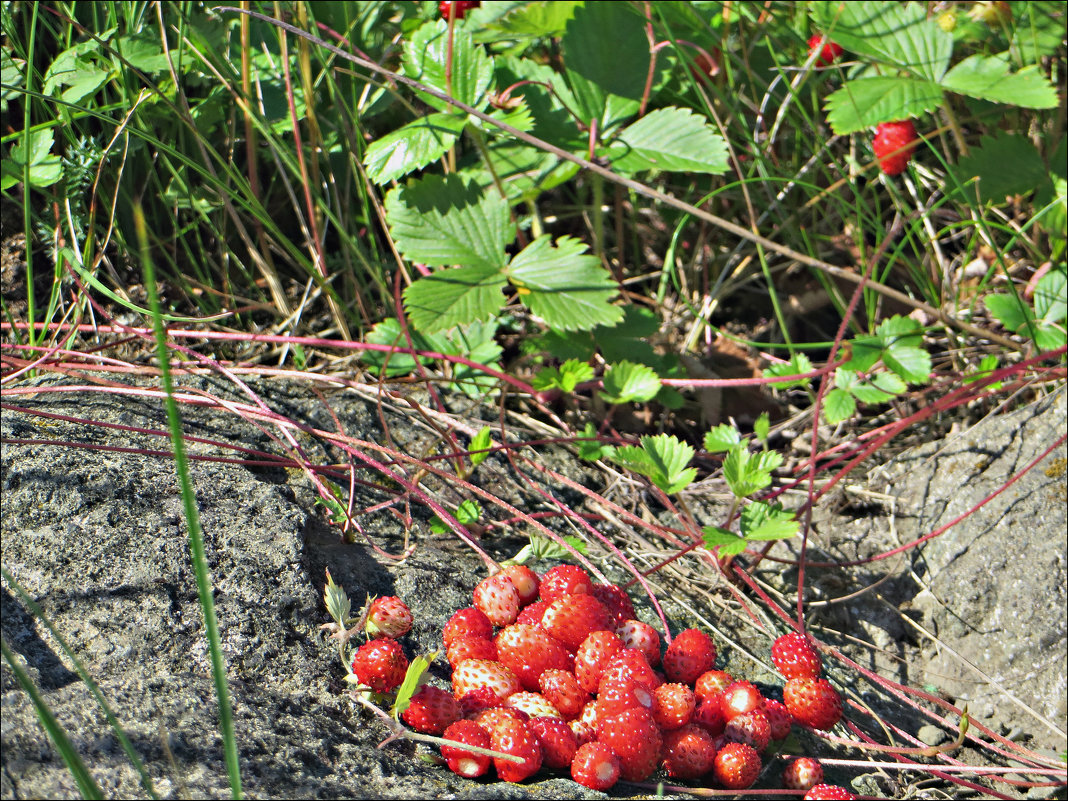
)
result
[(739, 698), (793, 656), (490, 718), (689, 655), (457, 8), (596, 766), (529, 651), (380, 664), (498, 599), (531, 615), (431, 710), (802, 773), (709, 716), (470, 648), (813, 702), (829, 51), (751, 728), (615, 600), (535, 705), (593, 656), (584, 732), (829, 791), (673, 705), (642, 636), (779, 717), (894, 144), (563, 691), (687, 752), (467, 622), (462, 762), (515, 737), (636, 739), (736, 766), (472, 673), (632, 662), (711, 683), (564, 580), (588, 715), (526, 582), (388, 617), (616, 694), (558, 742), (572, 618), (476, 700)]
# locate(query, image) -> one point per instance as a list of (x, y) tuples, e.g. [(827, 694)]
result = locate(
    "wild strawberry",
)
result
[(813, 702), (779, 717), (584, 732), (739, 698), (893, 145), (515, 737), (558, 743), (572, 618), (531, 615), (476, 700), (615, 600), (736, 766), (593, 656), (472, 673), (673, 705), (588, 715), (456, 8), (388, 617), (529, 651), (802, 773), (617, 694), (380, 664), (687, 752), (564, 580), (563, 691), (467, 622), (709, 716), (689, 655), (470, 648), (596, 766), (463, 762), (751, 728), (498, 599), (642, 636), (706, 65), (535, 705), (829, 792), (490, 719), (431, 710), (793, 656), (636, 739), (711, 683), (829, 51), (526, 582), (632, 662)]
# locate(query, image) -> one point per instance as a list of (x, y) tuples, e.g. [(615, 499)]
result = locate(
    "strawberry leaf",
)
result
[(628, 382), (426, 58), (838, 405), (911, 363), (413, 680), (989, 78), (1006, 164), (866, 102), (565, 378), (452, 297), (591, 449), (337, 602), (669, 139), (763, 521), (722, 438), (746, 473), (722, 541), (663, 459), (762, 427), (480, 442), (411, 147), (799, 364)]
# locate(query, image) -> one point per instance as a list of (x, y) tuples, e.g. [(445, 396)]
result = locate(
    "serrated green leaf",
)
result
[(762, 427), (669, 139), (866, 350), (1051, 296), (591, 449), (480, 442), (838, 405), (412, 147), (468, 511), (1009, 310), (414, 678), (912, 364), (746, 473), (563, 284), (663, 459), (446, 220), (337, 602), (536, 19), (763, 521), (868, 393), (552, 120), (864, 103), (34, 149), (627, 340), (722, 438), (1006, 164), (627, 382), (799, 364), (1049, 337), (889, 382), (722, 541), (565, 378), (899, 34), (990, 78), (427, 56), (456, 296)]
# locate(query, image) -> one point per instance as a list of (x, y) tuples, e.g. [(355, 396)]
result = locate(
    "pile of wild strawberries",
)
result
[(558, 672)]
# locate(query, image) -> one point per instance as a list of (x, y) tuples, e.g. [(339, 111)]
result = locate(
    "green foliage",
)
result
[(1044, 322), (33, 149), (627, 382), (590, 448), (661, 458), (542, 548), (480, 442), (565, 378), (799, 364), (414, 678), (467, 512), (748, 473)]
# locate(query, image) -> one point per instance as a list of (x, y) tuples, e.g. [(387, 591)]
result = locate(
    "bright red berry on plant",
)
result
[(572, 618), (828, 51), (473, 673), (529, 651), (593, 656), (596, 766), (830, 792), (498, 599), (802, 773), (673, 705), (470, 648), (431, 710), (751, 728), (380, 664), (531, 615), (558, 742), (779, 717), (616, 694), (690, 654), (463, 762), (535, 705), (563, 691), (615, 600), (709, 716), (687, 752), (736, 766), (388, 617), (476, 700), (642, 636), (526, 582), (515, 737), (632, 662), (813, 702), (711, 683), (794, 657), (636, 739), (457, 8), (565, 580), (739, 698), (894, 144), (467, 622), (490, 719)]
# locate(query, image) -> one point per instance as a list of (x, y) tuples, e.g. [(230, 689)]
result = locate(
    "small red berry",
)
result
[(470, 648), (593, 656), (802, 773), (813, 702), (828, 51), (467, 622), (558, 742), (642, 636), (563, 691), (736, 766), (687, 752), (564, 580), (380, 664), (751, 728), (636, 739), (498, 599), (615, 600), (535, 705), (463, 762), (831, 792), (689, 655), (457, 8), (711, 683), (431, 710), (596, 766), (529, 651), (515, 737), (894, 144), (473, 673), (572, 618), (779, 717), (526, 582), (709, 716), (388, 617), (793, 656), (673, 705), (739, 698)]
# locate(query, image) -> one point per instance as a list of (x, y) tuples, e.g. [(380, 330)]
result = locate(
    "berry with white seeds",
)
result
[(490, 718), (615, 600), (563, 691), (636, 739), (711, 683), (531, 615), (467, 622), (894, 144), (751, 728), (690, 654), (802, 773), (564, 580), (596, 766), (529, 651), (473, 673), (794, 657), (632, 662), (515, 737), (460, 761), (813, 702), (584, 732), (642, 636), (526, 582), (470, 648), (558, 742), (709, 716), (388, 617), (380, 664), (779, 717), (617, 694), (828, 792), (687, 752), (431, 710), (572, 618), (736, 766), (673, 705), (593, 656), (739, 698), (498, 599), (535, 705), (475, 701)]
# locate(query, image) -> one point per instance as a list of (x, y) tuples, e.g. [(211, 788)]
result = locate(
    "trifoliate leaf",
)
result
[(669, 139), (663, 459), (412, 147), (866, 102), (591, 449), (722, 541), (799, 364), (480, 442), (627, 382), (763, 521), (722, 438), (452, 297), (838, 405), (746, 473), (569, 375), (868, 393)]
